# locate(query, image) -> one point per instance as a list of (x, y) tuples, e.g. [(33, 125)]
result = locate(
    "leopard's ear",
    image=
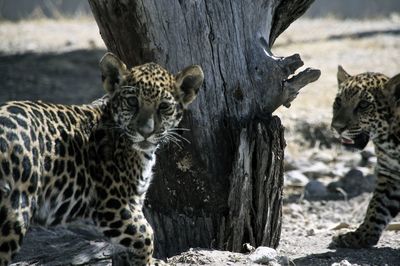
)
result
[(112, 71), (188, 83), (342, 75), (393, 86)]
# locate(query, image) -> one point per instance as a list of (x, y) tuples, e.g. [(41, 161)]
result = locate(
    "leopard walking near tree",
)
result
[(367, 106)]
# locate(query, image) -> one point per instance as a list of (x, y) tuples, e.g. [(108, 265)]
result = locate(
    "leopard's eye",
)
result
[(164, 106), (363, 104), (132, 102)]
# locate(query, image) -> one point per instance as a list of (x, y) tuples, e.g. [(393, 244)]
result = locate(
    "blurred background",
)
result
[(361, 35), (358, 9), (49, 50)]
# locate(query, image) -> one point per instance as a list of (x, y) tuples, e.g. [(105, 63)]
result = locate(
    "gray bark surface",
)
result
[(224, 188)]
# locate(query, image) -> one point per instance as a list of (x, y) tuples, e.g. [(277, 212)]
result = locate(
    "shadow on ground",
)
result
[(372, 256), (68, 77), (355, 35)]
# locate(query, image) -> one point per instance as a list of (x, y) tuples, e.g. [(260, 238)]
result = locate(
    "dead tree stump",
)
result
[(225, 187)]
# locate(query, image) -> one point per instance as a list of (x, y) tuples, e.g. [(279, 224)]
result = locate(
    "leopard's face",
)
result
[(355, 109), (144, 106), (147, 102)]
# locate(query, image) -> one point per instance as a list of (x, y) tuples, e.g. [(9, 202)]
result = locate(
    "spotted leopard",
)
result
[(367, 106), (63, 162)]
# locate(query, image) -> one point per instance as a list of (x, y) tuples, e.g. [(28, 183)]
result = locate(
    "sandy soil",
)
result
[(47, 52)]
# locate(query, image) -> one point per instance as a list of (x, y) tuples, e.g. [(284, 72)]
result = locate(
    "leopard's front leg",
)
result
[(384, 205), (127, 226)]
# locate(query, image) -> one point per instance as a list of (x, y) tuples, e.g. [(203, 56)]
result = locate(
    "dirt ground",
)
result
[(59, 60)]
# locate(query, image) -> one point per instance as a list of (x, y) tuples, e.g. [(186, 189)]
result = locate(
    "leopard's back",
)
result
[(44, 158)]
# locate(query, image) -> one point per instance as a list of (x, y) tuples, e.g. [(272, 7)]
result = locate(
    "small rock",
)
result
[(310, 232), (316, 134), (296, 215), (341, 225), (295, 178), (263, 255), (367, 153), (274, 263), (340, 169), (293, 207), (284, 260), (342, 263), (316, 170), (248, 247), (323, 156), (393, 227), (351, 160), (289, 163), (365, 170), (354, 182), (32, 46), (92, 44), (372, 161), (354, 174), (315, 188), (293, 210)]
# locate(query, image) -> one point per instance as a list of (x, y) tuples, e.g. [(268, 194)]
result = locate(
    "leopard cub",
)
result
[(63, 162), (367, 106)]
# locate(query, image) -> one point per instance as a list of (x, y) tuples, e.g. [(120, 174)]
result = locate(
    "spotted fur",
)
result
[(367, 106), (59, 163)]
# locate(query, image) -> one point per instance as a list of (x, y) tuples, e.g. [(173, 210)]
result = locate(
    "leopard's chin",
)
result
[(359, 141), (144, 146)]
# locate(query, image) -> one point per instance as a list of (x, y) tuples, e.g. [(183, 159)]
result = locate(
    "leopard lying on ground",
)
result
[(367, 106), (59, 162)]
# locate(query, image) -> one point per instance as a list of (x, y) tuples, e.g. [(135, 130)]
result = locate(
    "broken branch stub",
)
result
[(292, 86), (290, 64)]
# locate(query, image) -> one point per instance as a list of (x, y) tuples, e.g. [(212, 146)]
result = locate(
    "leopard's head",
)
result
[(362, 102), (146, 102)]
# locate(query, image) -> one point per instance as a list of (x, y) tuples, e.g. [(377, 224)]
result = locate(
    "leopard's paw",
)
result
[(355, 239), (157, 262)]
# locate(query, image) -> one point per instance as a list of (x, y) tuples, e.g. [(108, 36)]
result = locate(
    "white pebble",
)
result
[(263, 255)]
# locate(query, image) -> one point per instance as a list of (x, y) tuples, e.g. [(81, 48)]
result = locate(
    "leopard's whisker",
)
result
[(175, 141), (180, 137), (178, 129)]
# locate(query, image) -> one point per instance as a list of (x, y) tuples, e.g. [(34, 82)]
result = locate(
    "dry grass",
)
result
[(44, 35)]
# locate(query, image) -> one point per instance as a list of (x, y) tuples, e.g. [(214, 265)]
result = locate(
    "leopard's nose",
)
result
[(339, 126), (145, 127)]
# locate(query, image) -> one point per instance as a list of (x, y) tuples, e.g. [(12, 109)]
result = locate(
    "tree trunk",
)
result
[(224, 188)]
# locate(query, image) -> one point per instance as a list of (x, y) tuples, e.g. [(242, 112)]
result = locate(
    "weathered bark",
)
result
[(255, 198), (225, 187)]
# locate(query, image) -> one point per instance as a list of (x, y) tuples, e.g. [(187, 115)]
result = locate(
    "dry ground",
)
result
[(47, 51)]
